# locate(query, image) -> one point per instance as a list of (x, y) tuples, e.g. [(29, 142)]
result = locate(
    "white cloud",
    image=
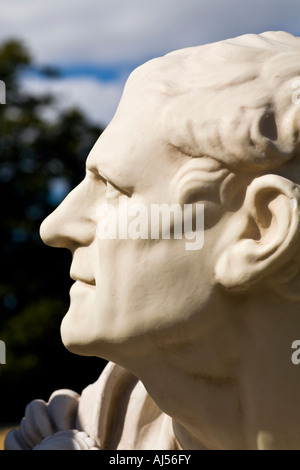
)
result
[(128, 32), (96, 99), (73, 31)]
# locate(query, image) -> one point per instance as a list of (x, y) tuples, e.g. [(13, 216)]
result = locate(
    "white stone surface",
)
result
[(202, 338)]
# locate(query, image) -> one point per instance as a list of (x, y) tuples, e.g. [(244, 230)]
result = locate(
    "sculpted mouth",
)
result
[(87, 282)]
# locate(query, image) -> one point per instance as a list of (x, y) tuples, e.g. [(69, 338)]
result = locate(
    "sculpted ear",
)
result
[(262, 235)]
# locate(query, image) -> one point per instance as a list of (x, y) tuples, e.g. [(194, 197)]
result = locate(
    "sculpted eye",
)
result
[(112, 191)]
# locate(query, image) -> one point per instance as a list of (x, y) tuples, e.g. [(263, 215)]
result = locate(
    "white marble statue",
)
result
[(198, 338)]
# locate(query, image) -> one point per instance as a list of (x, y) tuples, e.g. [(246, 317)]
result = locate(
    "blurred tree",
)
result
[(40, 161)]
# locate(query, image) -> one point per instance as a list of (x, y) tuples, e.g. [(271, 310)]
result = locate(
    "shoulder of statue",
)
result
[(123, 415)]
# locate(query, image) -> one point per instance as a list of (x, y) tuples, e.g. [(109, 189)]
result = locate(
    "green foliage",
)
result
[(40, 160)]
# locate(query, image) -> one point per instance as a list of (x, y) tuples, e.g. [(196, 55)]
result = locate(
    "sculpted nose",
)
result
[(69, 225)]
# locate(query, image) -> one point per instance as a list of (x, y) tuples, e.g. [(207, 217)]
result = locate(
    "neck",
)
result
[(235, 388)]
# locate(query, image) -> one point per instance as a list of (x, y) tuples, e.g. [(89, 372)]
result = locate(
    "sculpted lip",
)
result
[(90, 283)]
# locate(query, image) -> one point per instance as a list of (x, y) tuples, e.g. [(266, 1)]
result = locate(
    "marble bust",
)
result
[(198, 340)]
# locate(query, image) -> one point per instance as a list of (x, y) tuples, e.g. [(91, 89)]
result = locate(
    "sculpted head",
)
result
[(214, 125), (217, 126)]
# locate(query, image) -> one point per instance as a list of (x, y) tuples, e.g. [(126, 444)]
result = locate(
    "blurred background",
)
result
[(64, 63)]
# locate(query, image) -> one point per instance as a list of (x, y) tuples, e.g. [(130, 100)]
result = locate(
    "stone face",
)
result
[(199, 313)]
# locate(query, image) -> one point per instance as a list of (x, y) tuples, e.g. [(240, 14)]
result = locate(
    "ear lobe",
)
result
[(265, 233)]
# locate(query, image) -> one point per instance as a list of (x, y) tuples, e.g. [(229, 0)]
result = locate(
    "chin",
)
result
[(77, 338), (72, 338), (75, 327)]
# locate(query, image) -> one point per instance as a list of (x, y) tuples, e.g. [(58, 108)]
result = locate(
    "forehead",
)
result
[(134, 146), (181, 100)]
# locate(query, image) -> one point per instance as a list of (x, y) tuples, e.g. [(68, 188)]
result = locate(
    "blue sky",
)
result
[(96, 43)]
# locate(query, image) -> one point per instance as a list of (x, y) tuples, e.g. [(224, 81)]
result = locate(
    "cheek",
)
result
[(145, 278)]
